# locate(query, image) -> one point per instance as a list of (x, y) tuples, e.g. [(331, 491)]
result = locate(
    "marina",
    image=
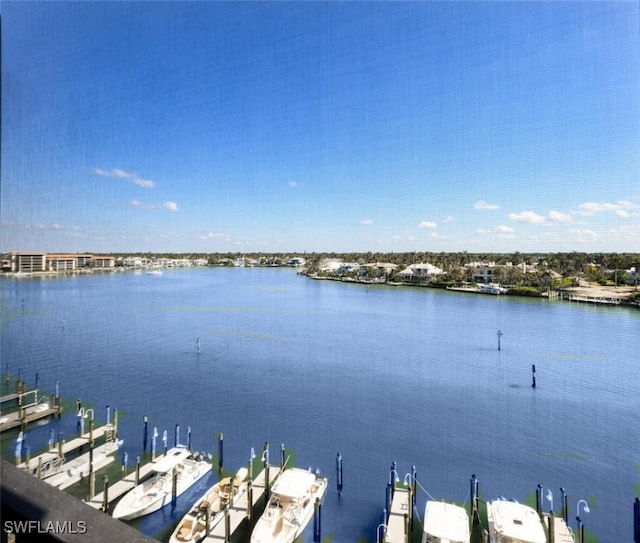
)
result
[(327, 366)]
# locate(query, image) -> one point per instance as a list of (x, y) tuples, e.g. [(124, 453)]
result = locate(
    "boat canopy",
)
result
[(517, 521), (294, 483), (174, 456), (447, 522)]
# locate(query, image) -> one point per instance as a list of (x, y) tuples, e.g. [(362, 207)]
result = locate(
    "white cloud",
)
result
[(621, 208), (427, 224), (481, 204), (121, 174), (171, 206), (215, 235), (449, 219), (482, 231), (366, 221), (560, 217), (527, 217), (505, 229), (584, 233), (293, 184)]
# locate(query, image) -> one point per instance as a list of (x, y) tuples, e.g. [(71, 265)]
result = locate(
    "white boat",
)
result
[(512, 522), (154, 272), (445, 523), (155, 493), (492, 288), (193, 526), (291, 507)]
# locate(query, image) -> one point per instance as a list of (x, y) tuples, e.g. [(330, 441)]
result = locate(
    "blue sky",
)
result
[(320, 126)]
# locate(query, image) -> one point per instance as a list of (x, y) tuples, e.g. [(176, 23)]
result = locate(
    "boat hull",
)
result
[(283, 524), (154, 494)]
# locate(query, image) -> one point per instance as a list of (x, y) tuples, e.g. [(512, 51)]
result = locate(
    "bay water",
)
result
[(378, 374)]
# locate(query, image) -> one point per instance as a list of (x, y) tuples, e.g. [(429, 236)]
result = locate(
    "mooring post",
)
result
[(115, 423), (108, 414), (220, 451), (539, 500), (414, 480), (105, 494), (57, 398), (552, 531), (174, 487), (474, 493), (339, 472), (164, 442), (410, 508), (39, 467), (565, 504), (227, 525), (189, 438), (636, 520), (153, 443), (176, 436), (137, 481), (250, 501), (533, 376), (207, 519), (92, 483), (317, 527), (145, 435), (500, 334), (388, 497), (282, 456), (59, 444), (407, 528), (265, 465), (393, 476)]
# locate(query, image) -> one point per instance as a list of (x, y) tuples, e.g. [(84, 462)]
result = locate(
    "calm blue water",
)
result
[(379, 374)]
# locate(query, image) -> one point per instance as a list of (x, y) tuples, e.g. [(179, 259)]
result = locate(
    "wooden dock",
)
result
[(27, 414), (398, 519), (238, 512), (60, 450)]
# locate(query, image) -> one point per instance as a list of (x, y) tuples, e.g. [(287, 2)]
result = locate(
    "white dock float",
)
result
[(396, 522)]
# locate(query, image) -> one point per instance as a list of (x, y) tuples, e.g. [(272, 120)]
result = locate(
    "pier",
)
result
[(29, 412), (52, 466), (397, 529)]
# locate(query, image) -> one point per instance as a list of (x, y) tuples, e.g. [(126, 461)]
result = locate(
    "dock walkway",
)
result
[(397, 525), (62, 449), (26, 415), (238, 512)]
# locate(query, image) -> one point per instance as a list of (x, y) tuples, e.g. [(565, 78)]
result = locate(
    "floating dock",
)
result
[(398, 519), (26, 414)]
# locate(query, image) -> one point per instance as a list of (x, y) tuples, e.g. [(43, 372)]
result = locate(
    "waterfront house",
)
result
[(422, 272)]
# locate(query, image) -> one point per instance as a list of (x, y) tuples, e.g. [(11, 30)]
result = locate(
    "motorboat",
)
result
[(445, 523), (157, 492), (513, 522), (211, 505), (154, 272), (290, 508)]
